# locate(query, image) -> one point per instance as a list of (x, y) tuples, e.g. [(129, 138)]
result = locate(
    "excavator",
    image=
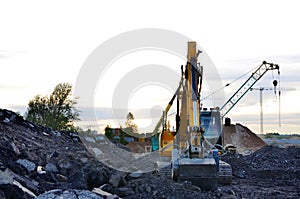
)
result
[(195, 146), (191, 160)]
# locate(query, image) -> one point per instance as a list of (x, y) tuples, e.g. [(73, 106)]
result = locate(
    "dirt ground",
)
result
[(270, 172)]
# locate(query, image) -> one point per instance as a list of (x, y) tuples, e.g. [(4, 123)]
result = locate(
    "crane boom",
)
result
[(256, 75)]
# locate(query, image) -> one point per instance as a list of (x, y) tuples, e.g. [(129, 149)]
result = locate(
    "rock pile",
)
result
[(38, 162), (270, 172), (269, 161), (38, 159)]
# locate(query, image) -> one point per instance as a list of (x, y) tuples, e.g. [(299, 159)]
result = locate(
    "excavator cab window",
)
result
[(211, 122), (206, 123)]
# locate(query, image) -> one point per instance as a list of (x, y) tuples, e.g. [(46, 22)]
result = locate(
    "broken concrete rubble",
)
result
[(70, 194), (30, 166), (50, 167), (62, 161), (63, 165)]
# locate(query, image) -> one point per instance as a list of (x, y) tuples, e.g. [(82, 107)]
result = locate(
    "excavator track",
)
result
[(224, 174)]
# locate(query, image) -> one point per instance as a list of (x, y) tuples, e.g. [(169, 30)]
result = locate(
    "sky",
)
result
[(44, 43)]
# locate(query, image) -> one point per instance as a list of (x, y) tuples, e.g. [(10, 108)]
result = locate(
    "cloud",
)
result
[(276, 59), (3, 55), (17, 108), (89, 113), (7, 54), (13, 86), (234, 68), (286, 118), (287, 59)]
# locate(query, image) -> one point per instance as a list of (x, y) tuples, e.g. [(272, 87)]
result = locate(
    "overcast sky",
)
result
[(43, 43)]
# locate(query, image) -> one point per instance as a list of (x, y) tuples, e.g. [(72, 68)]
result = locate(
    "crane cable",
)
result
[(228, 84), (275, 83), (279, 101)]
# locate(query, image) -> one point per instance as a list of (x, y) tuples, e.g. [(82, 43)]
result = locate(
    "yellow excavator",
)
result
[(194, 158), (196, 144)]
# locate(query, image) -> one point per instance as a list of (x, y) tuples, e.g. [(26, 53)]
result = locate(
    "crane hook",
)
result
[(275, 83)]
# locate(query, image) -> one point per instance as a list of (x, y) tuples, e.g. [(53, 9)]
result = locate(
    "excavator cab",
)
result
[(212, 124)]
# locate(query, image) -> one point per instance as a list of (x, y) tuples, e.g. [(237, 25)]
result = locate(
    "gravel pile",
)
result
[(270, 161), (38, 162)]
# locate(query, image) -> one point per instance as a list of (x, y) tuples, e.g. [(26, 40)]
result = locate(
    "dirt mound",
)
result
[(242, 138), (139, 147)]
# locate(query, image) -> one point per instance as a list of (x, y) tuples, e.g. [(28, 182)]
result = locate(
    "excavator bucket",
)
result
[(200, 172), (206, 173)]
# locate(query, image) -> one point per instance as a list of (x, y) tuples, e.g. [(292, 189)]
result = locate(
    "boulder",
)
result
[(50, 167), (90, 139), (30, 166), (64, 164), (124, 191), (13, 191), (136, 174), (117, 179), (78, 180), (70, 194)]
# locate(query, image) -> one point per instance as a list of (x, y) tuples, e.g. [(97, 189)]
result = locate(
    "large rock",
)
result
[(64, 164), (30, 166), (27, 185), (78, 180), (6, 177), (117, 179), (124, 191), (135, 174), (50, 167), (69, 194), (13, 191), (96, 176)]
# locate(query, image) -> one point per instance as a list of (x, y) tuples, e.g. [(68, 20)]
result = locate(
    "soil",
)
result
[(40, 159), (242, 138), (270, 172)]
